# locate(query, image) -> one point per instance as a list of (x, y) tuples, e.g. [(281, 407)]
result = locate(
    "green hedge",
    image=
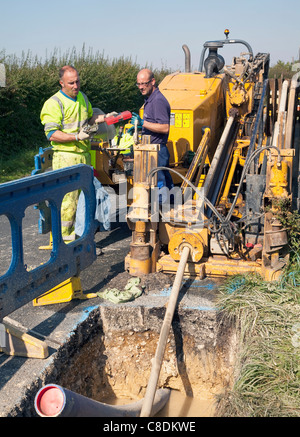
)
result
[(109, 84)]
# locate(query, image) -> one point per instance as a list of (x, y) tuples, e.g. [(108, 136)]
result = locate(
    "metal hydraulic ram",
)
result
[(18, 286)]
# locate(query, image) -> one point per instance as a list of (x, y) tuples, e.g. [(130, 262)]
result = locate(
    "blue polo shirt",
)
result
[(156, 110)]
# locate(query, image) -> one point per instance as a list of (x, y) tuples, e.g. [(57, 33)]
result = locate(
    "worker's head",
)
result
[(145, 82), (69, 81)]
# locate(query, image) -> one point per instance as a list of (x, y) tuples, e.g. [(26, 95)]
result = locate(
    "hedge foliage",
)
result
[(109, 84)]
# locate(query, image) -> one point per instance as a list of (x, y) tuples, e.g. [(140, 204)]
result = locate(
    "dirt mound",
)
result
[(150, 282)]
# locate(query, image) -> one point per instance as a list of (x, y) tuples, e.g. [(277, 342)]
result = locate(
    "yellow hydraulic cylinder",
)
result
[(145, 160), (198, 160), (140, 261), (279, 179), (236, 156)]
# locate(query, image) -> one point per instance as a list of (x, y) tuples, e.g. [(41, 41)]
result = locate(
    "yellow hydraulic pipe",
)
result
[(199, 159), (236, 156)]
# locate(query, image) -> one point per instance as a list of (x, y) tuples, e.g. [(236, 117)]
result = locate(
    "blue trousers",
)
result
[(164, 178)]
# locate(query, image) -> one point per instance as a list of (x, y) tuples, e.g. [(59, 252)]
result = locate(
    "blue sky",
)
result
[(149, 32)]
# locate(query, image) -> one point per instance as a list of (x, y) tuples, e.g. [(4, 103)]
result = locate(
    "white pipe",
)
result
[(135, 135), (283, 97), (291, 110), (281, 110)]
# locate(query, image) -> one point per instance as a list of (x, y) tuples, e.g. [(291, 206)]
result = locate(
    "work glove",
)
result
[(130, 130), (100, 119), (111, 114), (138, 118), (82, 135)]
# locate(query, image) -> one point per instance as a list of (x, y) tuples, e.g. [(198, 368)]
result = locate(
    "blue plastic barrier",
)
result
[(42, 160), (19, 286)]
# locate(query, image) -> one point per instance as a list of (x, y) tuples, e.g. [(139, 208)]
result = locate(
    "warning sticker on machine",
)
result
[(172, 119), (186, 120), (180, 120)]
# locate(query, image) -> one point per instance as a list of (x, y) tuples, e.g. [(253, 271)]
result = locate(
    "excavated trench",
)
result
[(109, 357), (115, 369)]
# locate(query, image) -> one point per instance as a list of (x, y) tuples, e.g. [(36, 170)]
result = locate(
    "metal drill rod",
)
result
[(164, 333)]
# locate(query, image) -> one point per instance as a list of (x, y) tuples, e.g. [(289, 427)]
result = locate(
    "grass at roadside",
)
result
[(267, 371), (17, 166)]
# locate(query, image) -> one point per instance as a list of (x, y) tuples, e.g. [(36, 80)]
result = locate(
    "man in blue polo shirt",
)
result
[(156, 122)]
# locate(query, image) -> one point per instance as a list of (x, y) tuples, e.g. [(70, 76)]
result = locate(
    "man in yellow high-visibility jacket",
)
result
[(64, 115)]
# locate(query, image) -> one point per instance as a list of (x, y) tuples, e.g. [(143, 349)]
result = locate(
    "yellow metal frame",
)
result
[(211, 267)]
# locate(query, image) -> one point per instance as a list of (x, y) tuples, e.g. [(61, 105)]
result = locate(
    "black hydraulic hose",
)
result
[(225, 221), (258, 118), (155, 170), (245, 169)]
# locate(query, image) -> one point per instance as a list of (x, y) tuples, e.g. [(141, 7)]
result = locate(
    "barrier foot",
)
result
[(50, 246), (63, 292), (16, 342)]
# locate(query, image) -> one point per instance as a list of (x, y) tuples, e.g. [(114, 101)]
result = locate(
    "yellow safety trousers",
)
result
[(70, 200)]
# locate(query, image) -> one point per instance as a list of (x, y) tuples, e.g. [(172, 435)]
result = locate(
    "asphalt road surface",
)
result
[(55, 323)]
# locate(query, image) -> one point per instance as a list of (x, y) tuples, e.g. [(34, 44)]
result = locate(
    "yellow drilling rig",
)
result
[(234, 146)]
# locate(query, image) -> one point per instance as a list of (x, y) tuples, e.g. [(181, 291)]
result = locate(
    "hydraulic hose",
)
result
[(245, 169), (197, 191), (223, 220)]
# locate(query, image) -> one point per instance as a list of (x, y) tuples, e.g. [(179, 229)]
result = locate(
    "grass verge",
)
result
[(17, 166), (267, 379)]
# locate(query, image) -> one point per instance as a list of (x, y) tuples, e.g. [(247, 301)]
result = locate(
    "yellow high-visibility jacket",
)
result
[(125, 143), (61, 112)]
